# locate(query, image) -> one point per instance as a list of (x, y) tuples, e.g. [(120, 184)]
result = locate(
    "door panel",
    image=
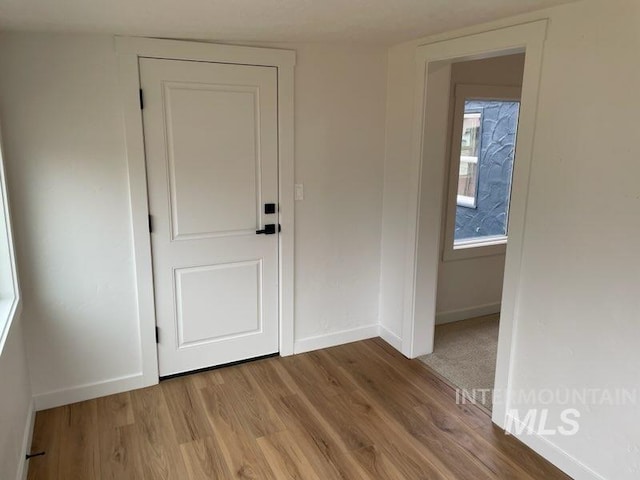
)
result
[(237, 286), (206, 121), (211, 148)]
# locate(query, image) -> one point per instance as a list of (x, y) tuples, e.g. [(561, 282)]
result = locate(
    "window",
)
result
[(8, 280), (482, 159)]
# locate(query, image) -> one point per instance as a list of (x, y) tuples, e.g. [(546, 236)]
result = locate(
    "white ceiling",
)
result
[(367, 21)]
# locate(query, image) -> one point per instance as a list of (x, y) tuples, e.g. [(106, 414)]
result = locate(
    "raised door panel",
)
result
[(214, 158)]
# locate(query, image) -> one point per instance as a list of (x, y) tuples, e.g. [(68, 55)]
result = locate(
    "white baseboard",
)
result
[(336, 338), (88, 391), (27, 438), (554, 454), (391, 338), (466, 313)]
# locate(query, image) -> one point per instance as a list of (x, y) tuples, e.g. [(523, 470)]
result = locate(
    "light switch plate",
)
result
[(299, 191)]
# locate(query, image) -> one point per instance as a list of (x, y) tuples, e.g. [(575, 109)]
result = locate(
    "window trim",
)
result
[(9, 296), (495, 245)]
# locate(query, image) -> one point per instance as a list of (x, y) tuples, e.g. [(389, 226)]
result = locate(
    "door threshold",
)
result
[(215, 367), (454, 388)]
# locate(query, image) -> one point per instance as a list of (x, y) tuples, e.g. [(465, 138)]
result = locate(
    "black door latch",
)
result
[(269, 229)]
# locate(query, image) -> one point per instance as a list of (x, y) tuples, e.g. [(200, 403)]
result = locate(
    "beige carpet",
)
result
[(465, 354)]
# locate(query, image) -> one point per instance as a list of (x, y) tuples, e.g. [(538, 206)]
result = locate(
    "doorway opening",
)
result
[(427, 191), (482, 128)]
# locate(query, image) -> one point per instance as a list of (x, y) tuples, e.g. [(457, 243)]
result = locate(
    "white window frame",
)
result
[(9, 290), (472, 248)]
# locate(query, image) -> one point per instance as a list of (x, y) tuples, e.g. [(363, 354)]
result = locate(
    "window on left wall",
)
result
[(9, 292)]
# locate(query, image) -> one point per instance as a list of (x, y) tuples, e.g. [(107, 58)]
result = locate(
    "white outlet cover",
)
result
[(299, 191)]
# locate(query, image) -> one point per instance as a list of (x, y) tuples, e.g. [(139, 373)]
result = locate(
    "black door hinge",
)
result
[(157, 335), (141, 100), (150, 224)]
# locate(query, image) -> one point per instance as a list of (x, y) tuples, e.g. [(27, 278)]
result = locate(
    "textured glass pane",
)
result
[(486, 167)]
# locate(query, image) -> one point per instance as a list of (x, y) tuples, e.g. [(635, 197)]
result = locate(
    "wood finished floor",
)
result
[(358, 411)]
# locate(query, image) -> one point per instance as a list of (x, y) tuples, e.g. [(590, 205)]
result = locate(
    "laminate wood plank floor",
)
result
[(357, 411)]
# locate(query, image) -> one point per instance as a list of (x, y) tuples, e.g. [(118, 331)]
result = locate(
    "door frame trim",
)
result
[(426, 191), (129, 50)]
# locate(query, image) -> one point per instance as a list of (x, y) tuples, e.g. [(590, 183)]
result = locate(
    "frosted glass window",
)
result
[(486, 167)]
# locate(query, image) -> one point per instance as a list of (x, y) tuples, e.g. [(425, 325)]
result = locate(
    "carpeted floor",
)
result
[(465, 354)]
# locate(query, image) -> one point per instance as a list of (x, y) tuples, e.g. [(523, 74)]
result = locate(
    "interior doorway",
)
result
[(483, 122), (427, 187)]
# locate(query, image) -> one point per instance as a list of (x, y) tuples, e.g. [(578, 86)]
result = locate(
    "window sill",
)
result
[(9, 310), (474, 249)]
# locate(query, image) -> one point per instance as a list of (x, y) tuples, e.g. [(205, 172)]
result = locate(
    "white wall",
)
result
[(64, 148), (465, 285), (67, 180), (577, 319), (15, 403), (340, 108)]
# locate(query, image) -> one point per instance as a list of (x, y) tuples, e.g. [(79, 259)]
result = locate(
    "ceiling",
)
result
[(364, 21)]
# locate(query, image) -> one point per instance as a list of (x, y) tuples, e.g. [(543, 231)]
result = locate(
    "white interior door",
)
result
[(211, 142)]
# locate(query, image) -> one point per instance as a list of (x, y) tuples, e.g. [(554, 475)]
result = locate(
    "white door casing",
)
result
[(433, 59), (211, 142), (129, 51)]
